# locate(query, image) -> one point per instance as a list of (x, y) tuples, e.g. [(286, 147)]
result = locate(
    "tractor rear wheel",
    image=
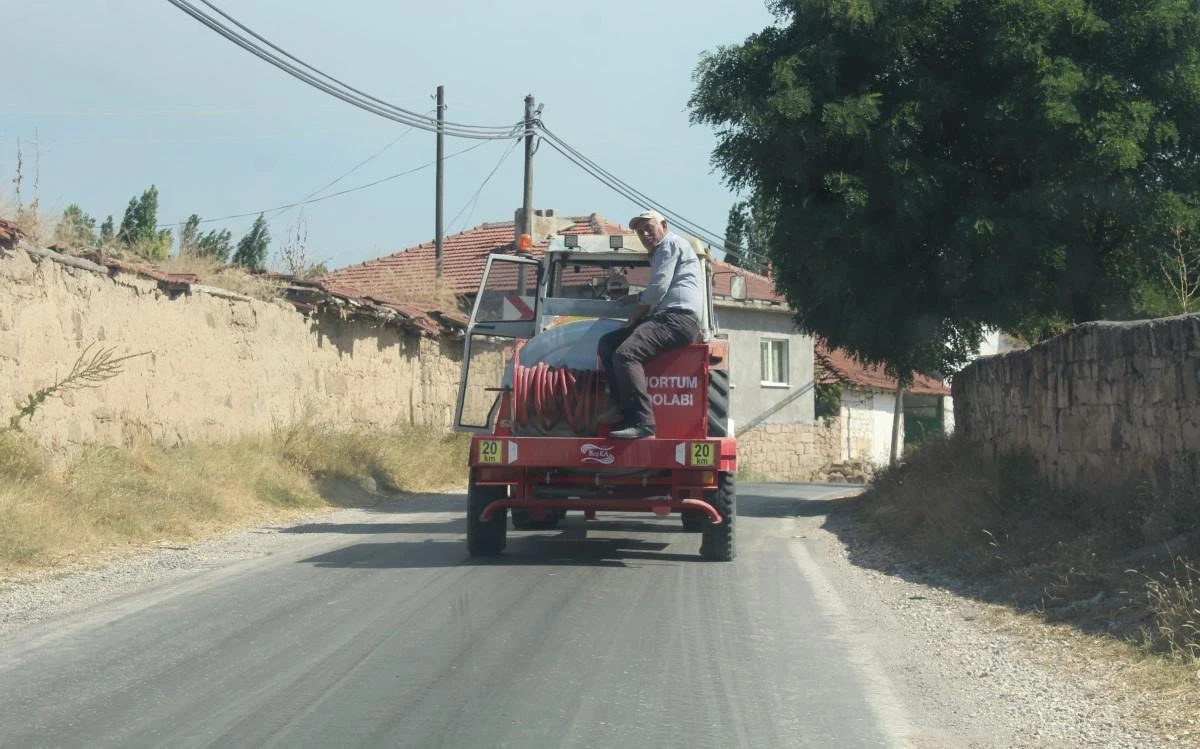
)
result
[(718, 542), (718, 426), (693, 520), (485, 539), (718, 403)]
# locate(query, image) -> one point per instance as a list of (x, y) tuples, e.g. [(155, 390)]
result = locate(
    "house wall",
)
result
[(752, 403), (215, 367), (866, 426)]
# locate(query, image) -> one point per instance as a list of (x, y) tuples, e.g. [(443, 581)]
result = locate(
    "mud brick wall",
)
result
[(1106, 405), (216, 367)]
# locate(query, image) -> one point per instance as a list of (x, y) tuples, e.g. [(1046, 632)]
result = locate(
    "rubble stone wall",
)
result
[(214, 367), (790, 452), (1105, 405)]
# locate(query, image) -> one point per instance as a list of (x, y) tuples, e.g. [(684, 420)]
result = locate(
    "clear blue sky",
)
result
[(121, 94)]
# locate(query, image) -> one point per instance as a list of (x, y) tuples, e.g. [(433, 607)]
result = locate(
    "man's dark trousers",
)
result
[(624, 352)]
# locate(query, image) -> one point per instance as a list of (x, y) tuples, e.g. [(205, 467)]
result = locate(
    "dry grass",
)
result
[(37, 226), (1065, 556), (229, 277), (112, 500), (439, 294)]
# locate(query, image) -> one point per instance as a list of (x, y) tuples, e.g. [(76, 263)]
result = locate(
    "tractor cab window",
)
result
[(598, 281)]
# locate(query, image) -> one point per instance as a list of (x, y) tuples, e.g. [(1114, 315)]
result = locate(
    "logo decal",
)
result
[(596, 454)]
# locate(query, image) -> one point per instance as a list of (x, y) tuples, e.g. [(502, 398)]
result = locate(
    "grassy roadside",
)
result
[(997, 533), (113, 500)]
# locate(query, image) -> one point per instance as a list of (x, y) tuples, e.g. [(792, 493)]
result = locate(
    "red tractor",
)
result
[(531, 390)]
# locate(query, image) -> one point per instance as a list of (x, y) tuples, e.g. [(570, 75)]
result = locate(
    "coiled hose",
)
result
[(547, 396)]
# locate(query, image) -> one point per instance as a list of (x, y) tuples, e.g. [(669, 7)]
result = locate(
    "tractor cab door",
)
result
[(505, 310)]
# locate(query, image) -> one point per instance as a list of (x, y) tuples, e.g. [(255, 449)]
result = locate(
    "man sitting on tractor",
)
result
[(667, 316)]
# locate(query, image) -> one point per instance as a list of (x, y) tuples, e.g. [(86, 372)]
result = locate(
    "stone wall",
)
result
[(789, 452), (1104, 405), (215, 367)]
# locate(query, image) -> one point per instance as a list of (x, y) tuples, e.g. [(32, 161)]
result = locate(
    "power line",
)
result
[(343, 84), (333, 194), (352, 170), (618, 181), (474, 199), (625, 190), (334, 87)]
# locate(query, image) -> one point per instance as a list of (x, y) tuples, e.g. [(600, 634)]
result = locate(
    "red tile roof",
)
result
[(409, 274), (837, 366)]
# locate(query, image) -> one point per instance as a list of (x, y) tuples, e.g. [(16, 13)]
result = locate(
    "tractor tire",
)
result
[(485, 539), (522, 521), (718, 542), (718, 426), (718, 403), (693, 520)]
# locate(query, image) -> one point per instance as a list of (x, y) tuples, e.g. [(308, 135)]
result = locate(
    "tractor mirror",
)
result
[(737, 287)]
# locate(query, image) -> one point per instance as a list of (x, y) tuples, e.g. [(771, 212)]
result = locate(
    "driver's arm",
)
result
[(637, 314)]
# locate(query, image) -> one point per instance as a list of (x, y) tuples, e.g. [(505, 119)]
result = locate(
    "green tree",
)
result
[(735, 235), (139, 230), (935, 168), (215, 244), (75, 228), (747, 234), (252, 248), (107, 235), (189, 236)]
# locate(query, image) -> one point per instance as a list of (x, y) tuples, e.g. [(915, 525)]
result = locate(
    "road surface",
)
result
[(384, 633)]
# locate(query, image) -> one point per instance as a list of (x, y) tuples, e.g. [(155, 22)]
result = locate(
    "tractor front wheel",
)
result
[(717, 545), (485, 539)]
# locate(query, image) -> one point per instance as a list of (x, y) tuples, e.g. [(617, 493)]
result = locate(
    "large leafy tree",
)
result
[(252, 248), (936, 167)]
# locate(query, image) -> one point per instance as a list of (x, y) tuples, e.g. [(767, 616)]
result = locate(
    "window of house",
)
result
[(774, 357)]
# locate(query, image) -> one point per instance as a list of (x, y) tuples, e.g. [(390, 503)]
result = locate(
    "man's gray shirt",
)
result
[(676, 278)]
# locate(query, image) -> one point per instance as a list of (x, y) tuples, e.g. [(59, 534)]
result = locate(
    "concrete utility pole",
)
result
[(439, 185), (527, 204)]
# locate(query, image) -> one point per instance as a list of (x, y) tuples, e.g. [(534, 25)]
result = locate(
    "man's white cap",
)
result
[(654, 216)]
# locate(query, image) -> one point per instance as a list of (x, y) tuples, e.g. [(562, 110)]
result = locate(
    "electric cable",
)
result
[(352, 170), (338, 89), (474, 199), (622, 188), (335, 194)]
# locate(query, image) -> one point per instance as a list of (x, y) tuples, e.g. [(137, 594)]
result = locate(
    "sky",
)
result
[(112, 96)]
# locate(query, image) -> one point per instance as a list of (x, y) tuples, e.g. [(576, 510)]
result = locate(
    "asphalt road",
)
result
[(606, 634)]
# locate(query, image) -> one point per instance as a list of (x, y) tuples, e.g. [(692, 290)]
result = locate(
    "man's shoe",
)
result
[(611, 415), (636, 432)]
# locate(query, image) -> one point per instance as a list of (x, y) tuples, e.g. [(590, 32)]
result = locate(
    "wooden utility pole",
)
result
[(897, 415), (527, 203), (439, 188)]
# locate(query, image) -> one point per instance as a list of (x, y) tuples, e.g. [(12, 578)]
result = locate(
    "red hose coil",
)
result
[(549, 396)]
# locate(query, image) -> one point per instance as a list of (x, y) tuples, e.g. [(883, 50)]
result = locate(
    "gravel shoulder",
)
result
[(985, 676)]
